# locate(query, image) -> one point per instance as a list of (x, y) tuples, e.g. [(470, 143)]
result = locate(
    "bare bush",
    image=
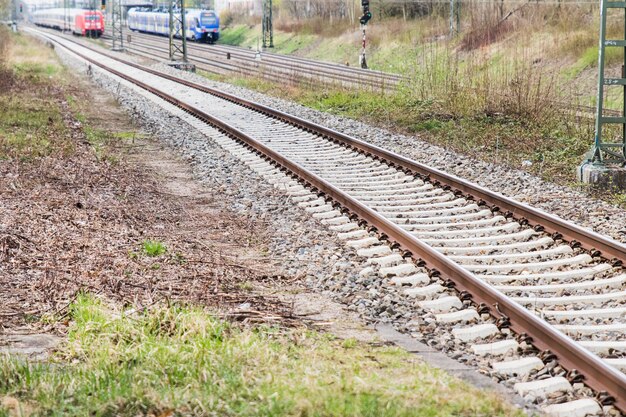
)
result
[(6, 75), (468, 86), (315, 25), (5, 40), (5, 9), (332, 10)]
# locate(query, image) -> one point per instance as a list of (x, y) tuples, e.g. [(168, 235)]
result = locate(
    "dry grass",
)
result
[(313, 26)]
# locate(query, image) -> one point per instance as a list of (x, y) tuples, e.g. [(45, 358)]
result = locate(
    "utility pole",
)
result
[(367, 15), (605, 165), (455, 17), (268, 28), (178, 29), (66, 15), (117, 30), (14, 15)]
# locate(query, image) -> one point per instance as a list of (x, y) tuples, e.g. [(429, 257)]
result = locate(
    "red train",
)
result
[(79, 21)]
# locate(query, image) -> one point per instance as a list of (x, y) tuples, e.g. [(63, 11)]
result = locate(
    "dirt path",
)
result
[(79, 222)]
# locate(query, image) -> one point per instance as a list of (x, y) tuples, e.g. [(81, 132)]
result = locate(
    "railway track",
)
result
[(543, 298), (224, 59), (288, 68)]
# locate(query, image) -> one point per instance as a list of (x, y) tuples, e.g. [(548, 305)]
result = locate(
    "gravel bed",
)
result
[(300, 245), (563, 201)]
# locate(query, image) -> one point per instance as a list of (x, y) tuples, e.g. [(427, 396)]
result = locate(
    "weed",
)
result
[(619, 200), (245, 286), (179, 258), (31, 122), (154, 248), (349, 343), (30, 127)]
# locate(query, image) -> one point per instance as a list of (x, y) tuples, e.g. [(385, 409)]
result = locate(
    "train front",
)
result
[(94, 23), (209, 26)]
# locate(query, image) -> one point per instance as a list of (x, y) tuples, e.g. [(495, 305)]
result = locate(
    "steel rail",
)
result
[(598, 375)]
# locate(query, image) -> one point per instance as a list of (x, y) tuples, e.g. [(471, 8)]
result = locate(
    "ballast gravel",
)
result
[(304, 248)]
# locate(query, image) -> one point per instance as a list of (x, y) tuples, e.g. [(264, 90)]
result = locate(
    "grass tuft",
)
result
[(181, 360), (154, 248)]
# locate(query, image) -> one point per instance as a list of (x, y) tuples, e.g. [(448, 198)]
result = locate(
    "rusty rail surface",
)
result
[(597, 374)]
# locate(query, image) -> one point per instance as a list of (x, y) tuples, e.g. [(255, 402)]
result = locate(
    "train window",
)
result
[(208, 18)]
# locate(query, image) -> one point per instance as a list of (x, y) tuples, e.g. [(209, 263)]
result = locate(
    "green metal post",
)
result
[(609, 152), (597, 154), (624, 93)]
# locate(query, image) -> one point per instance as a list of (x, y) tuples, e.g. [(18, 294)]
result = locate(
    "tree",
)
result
[(5, 9)]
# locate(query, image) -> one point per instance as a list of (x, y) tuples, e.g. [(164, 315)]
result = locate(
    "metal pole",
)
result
[(367, 15), (271, 25), (171, 30), (624, 96), (14, 10), (266, 25), (597, 154), (362, 59), (451, 17), (458, 16), (455, 17), (183, 25), (117, 30)]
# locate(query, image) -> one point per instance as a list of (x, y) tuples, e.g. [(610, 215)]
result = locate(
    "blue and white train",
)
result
[(202, 25)]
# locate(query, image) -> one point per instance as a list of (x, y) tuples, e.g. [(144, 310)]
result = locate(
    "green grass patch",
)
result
[(30, 126), (619, 199), (589, 59), (235, 35), (180, 360), (31, 121), (154, 248)]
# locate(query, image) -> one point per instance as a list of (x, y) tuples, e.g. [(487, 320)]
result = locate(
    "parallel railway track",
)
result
[(481, 262), (224, 59), (281, 68)]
